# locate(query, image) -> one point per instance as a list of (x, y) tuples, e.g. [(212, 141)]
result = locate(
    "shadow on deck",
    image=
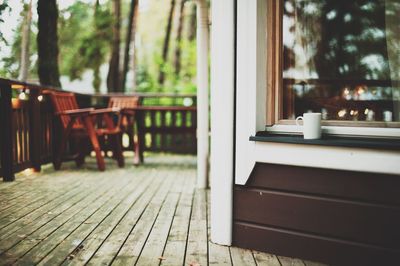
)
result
[(146, 215)]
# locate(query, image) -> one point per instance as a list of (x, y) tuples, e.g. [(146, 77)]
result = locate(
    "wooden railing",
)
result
[(29, 132)]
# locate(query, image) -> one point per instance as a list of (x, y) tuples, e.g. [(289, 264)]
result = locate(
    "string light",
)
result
[(342, 113), (353, 112), (22, 96)]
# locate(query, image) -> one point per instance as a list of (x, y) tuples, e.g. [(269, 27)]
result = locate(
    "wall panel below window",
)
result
[(333, 216)]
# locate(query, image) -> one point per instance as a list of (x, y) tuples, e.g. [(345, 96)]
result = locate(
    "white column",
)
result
[(222, 124), (251, 81), (202, 94)]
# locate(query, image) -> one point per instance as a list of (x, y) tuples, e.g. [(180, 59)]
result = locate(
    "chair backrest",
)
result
[(124, 102), (64, 101)]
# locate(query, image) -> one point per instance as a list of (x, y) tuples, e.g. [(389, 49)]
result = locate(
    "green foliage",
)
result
[(84, 40), (11, 63), (3, 8), (84, 34)]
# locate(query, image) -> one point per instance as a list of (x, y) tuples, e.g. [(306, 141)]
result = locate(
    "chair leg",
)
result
[(95, 143), (118, 150), (80, 160), (64, 139)]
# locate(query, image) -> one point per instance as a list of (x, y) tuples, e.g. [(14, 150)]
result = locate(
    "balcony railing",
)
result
[(29, 132)]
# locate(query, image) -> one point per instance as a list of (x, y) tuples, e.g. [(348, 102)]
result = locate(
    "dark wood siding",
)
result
[(332, 216)]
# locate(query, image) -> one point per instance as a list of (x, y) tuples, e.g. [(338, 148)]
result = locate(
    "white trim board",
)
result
[(251, 81), (352, 159)]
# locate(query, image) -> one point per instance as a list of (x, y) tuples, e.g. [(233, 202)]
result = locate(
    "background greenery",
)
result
[(85, 36)]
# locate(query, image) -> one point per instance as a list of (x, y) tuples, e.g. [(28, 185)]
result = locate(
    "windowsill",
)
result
[(333, 141)]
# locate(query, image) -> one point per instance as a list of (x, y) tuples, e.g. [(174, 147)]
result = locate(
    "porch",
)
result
[(146, 215)]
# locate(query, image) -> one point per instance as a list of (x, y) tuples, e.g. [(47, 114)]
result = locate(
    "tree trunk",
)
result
[(47, 41), (161, 77), (97, 51), (193, 23), (178, 48), (113, 72), (25, 44), (130, 41)]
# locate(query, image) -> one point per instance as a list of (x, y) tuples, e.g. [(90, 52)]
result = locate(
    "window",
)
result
[(337, 57)]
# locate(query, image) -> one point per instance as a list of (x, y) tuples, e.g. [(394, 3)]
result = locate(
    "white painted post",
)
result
[(222, 124), (202, 94)]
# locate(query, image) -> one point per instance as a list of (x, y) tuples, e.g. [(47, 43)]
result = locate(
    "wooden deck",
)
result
[(147, 215)]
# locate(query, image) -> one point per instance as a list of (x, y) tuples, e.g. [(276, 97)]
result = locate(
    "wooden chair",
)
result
[(80, 125), (128, 106)]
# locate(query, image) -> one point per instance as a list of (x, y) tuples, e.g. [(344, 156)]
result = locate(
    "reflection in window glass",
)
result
[(341, 58)]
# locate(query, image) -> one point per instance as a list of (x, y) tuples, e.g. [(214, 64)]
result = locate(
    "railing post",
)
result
[(140, 125), (6, 133), (35, 130)]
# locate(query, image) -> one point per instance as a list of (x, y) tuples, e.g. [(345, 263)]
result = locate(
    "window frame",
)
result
[(275, 101)]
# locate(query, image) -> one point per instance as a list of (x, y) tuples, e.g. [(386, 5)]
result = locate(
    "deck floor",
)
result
[(146, 215)]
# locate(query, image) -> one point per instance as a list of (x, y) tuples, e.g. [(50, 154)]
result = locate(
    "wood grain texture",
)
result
[(147, 215)]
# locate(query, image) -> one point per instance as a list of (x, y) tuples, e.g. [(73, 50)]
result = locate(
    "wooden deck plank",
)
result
[(217, 254), (96, 195), (42, 250), (99, 235), (79, 246), (264, 259), (71, 238), (133, 245), (51, 189), (175, 248), (28, 184), (242, 257), (42, 213), (285, 261), (27, 225), (197, 247), (152, 252), (121, 217), (24, 209), (7, 202), (37, 191), (111, 246)]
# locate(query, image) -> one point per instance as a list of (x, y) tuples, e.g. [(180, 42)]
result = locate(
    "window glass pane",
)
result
[(342, 58)]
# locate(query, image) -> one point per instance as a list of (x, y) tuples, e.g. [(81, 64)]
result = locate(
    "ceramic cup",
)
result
[(311, 125)]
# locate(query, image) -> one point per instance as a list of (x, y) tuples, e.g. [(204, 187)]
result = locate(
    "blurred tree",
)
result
[(89, 49), (168, 29), (130, 42), (47, 40), (113, 72), (25, 44), (11, 64), (178, 47), (192, 23), (75, 18)]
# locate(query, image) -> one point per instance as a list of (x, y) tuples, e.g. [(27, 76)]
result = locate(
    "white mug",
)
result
[(311, 125)]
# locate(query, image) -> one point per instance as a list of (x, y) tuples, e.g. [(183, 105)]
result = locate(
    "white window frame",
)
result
[(251, 95)]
